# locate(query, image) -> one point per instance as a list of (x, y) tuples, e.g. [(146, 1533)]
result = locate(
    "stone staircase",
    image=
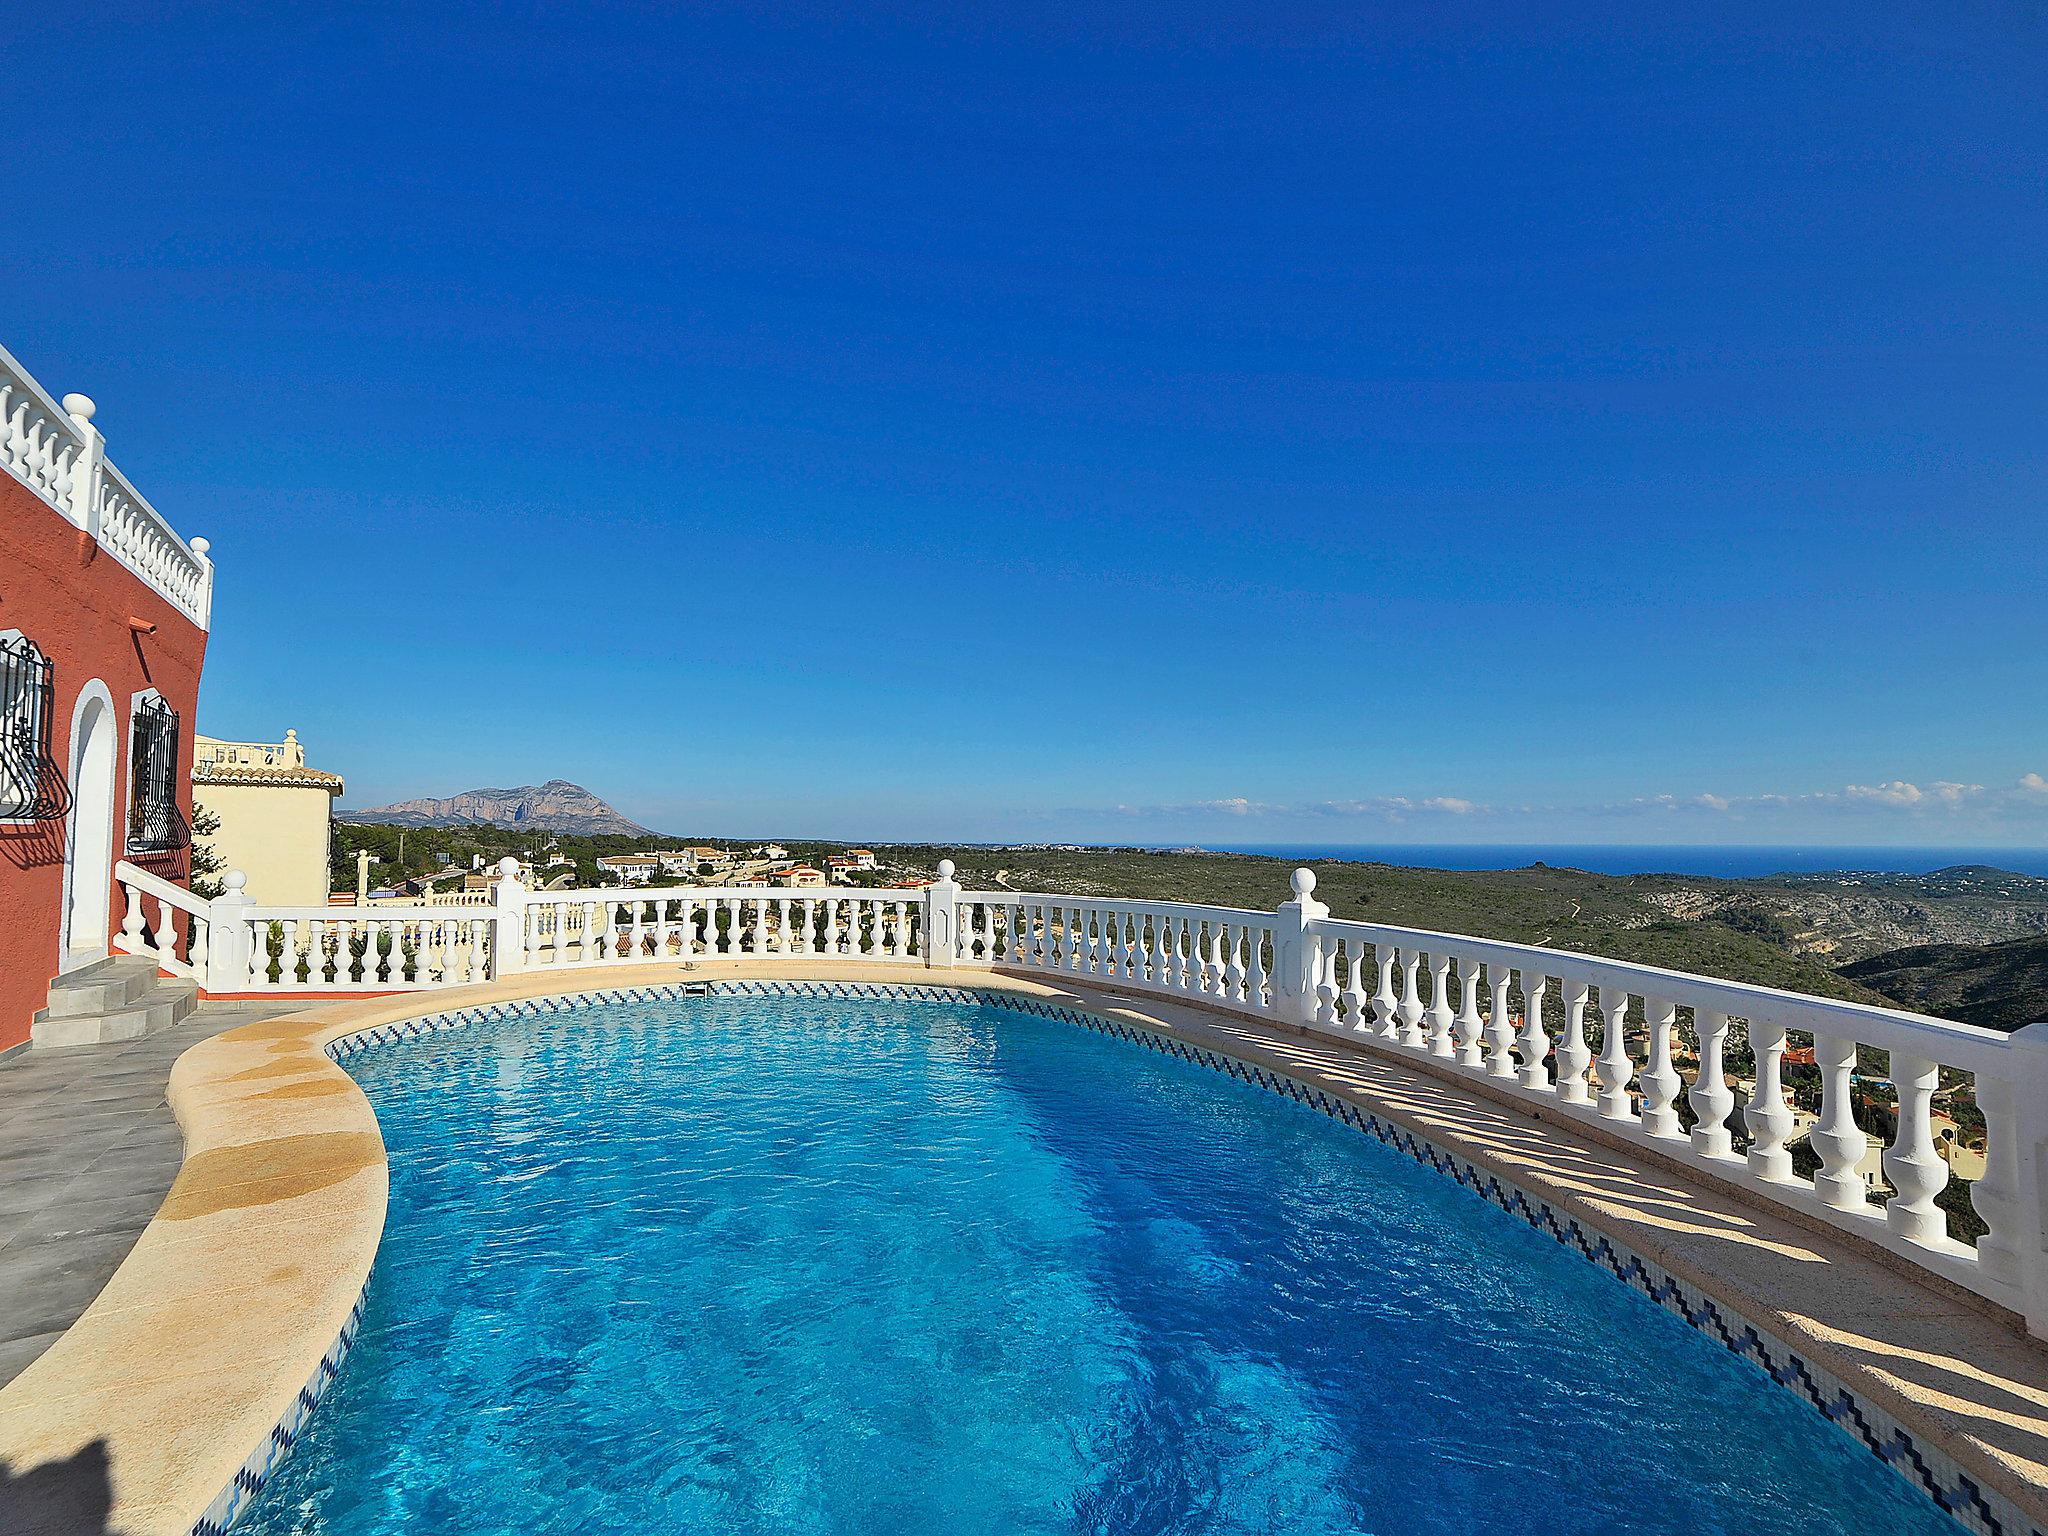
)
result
[(120, 998)]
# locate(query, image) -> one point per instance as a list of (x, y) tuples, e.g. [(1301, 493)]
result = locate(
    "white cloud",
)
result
[(1896, 792), (1449, 803), (2033, 784)]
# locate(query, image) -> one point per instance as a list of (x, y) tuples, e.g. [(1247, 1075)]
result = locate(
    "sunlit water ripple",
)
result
[(808, 1265)]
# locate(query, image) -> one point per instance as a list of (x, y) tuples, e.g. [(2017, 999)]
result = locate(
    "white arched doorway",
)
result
[(89, 834)]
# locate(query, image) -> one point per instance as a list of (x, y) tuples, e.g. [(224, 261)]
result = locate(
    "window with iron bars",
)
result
[(28, 776), (153, 820)]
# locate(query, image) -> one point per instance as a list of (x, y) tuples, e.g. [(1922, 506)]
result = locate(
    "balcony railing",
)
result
[(57, 453), (1630, 1051)]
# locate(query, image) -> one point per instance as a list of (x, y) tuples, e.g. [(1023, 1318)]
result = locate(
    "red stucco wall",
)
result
[(75, 600)]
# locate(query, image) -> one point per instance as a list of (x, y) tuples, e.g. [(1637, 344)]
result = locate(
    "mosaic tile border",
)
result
[(1924, 1468), (284, 1434)]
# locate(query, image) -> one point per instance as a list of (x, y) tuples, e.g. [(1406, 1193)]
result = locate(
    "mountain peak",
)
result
[(556, 806)]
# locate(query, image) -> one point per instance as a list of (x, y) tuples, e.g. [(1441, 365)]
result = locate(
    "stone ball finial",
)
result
[(291, 733), (509, 867), (80, 406), (233, 880), (201, 546), (1304, 881), (945, 869)]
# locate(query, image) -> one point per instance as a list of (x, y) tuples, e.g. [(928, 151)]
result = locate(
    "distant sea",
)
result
[(1731, 863)]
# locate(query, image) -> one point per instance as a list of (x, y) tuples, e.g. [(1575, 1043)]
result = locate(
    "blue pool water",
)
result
[(809, 1265)]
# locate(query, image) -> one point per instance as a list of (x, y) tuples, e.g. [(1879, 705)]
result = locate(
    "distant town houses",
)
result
[(630, 868), (757, 867)]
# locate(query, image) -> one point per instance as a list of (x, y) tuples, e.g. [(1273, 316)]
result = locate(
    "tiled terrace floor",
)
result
[(88, 1147)]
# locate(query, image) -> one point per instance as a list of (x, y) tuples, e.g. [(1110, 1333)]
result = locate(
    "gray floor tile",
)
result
[(16, 1355)]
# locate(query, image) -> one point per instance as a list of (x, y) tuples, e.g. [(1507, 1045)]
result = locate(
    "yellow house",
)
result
[(276, 815)]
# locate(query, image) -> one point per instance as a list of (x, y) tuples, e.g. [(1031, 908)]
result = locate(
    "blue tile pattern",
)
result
[(1977, 1508), (284, 1434)]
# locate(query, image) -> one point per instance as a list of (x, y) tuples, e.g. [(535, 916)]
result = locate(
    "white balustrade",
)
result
[(1635, 1088), (57, 452), (1357, 982), (177, 953)]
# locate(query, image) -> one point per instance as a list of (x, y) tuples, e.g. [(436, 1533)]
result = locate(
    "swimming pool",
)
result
[(829, 1264)]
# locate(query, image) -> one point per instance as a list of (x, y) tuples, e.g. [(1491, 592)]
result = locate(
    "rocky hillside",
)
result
[(556, 806), (2000, 986)]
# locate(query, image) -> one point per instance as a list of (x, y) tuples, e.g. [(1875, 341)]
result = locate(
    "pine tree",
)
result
[(207, 863)]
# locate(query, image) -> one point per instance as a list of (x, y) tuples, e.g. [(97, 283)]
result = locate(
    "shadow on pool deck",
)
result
[(74, 1496)]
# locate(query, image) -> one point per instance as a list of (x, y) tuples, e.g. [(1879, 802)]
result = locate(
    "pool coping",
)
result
[(190, 1376)]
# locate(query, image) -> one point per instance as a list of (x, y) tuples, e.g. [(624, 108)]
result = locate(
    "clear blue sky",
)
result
[(1352, 423)]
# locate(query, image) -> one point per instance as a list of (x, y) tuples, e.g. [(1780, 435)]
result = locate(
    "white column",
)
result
[(941, 918), (1912, 1165), (1441, 1014), (1767, 1115), (85, 469), (2021, 1156), (1573, 1054), (1294, 959), (1615, 1066), (508, 921), (1710, 1097), (1500, 1023), (1535, 1038), (1660, 1079), (1836, 1137), (228, 955)]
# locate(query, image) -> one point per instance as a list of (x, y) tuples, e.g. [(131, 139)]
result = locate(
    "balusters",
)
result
[(1535, 1040), (479, 963), (288, 957), (1386, 1003), (199, 945), (1911, 1163), (1322, 970), (1233, 968), (1411, 1010), (1837, 1138), (1710, 1098), (1660, 1078), (132, 920), (1573, 1054), (1355, 998), (259, 952), (163, 939), (1616, 1067), (636, 933), (1255, 978), (1767, 1115), (1500, 1023), (1441, 1014), (1162, 961), (1467, 1026), (900, 947)]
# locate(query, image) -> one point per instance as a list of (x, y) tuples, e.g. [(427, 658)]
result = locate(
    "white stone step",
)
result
[(158, 1003), (102, 987)]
